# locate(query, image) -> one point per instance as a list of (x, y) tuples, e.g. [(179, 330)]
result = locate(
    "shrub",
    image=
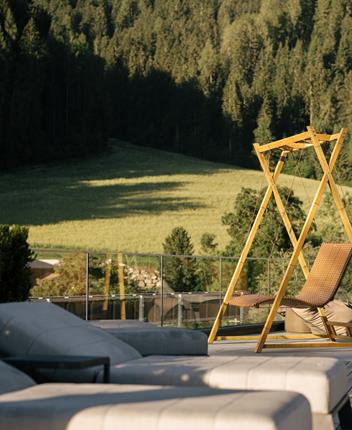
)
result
[(180, 272), (207, 268), (15, 254), (71, 276)]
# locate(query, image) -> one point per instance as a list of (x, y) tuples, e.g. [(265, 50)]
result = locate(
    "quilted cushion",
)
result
[(322, 380), (120, 407)]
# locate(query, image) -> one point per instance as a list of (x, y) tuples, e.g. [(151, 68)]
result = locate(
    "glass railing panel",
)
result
[(125, 286), (180, 291), (191, 290), (60, 276)]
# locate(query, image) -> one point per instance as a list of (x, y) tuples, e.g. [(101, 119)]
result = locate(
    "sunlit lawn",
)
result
[(128, 199)]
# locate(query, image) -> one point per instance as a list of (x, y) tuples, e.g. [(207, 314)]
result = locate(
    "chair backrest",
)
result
[(326, 274)]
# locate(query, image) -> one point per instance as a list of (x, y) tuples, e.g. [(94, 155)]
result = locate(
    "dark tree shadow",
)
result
[(59, 104), (66, 201)]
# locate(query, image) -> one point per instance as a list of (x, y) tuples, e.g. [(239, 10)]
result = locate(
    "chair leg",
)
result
[(330, 331), (345, 415)]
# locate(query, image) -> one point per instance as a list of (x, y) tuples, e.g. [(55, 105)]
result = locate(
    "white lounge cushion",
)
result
[(149, 339), (323, 381), (43, 328), (113, 407), (12, 379)]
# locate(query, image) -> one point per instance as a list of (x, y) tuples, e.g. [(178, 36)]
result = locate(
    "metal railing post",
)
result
[(162, 291), (269, 280), (241, 315), (220, 278), (141, 308), (87, 286), (179, 310)]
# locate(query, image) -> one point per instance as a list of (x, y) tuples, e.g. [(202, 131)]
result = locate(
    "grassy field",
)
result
[(128, 199)]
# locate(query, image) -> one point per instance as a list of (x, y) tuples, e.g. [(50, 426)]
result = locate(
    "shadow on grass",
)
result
[(64, 192), (82, 202), (67, 202)]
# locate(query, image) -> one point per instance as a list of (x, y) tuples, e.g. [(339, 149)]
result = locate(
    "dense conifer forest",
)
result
[(201, 77)]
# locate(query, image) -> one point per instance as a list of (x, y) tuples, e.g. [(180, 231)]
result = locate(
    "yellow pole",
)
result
[(121, 286), (243, 257), (281, 208), (108, 264), (334, 191)]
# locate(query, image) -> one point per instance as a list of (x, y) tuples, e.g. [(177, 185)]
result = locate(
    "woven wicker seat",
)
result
[(322, 282)]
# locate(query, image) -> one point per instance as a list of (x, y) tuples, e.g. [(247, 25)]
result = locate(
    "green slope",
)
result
[(129, 199)]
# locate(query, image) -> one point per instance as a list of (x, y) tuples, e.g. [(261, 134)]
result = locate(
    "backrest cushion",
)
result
[(28, 328), (335, 310), (12, 379)]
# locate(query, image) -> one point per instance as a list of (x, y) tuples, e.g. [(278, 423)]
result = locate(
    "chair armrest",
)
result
[(339, 324)]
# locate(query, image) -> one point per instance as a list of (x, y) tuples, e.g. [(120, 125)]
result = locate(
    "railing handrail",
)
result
[(151, 254)]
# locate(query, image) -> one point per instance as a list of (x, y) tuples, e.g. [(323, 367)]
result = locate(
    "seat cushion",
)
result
[(323, 381), (149, 339), (12, 379), (43, 328), (114, 407), (335, 310), (294, 323)]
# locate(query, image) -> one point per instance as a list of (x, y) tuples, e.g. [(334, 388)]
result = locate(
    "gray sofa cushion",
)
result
[(149, 339), (114, 407), (43, 328), (12, 379), (123, 324)]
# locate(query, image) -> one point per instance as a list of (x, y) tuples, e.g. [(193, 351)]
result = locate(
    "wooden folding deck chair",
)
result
[(330, 265), (320, 286), (319, 289)]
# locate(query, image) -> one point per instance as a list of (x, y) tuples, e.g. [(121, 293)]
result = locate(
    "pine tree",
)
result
[(180, 271), (266, 118), (15, 255)]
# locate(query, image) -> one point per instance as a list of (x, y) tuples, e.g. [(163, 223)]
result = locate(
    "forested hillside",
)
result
[(201, 77)]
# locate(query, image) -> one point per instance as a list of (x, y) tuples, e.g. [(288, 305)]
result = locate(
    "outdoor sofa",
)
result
[(25, 406), (43, 328)]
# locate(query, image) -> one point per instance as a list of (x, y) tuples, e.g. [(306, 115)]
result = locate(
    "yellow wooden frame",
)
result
[(298, 142)]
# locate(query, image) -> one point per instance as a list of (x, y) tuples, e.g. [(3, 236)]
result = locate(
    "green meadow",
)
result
[(128, 199)]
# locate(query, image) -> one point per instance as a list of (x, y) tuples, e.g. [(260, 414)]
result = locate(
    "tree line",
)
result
[(205, 78)]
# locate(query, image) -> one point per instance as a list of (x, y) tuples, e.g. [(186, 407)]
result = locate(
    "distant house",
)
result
[(42, 268)]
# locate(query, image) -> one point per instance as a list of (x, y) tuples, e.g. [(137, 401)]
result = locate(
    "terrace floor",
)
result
[(247, 348)]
